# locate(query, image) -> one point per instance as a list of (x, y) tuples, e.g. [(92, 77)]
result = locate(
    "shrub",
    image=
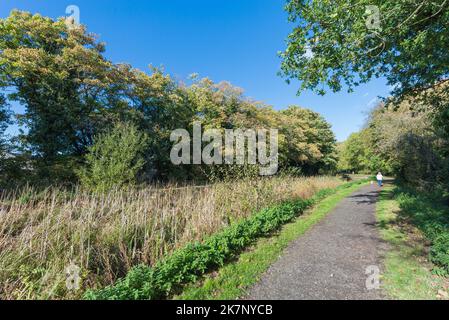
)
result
[(108, 234), (187, 264), (115, 158)]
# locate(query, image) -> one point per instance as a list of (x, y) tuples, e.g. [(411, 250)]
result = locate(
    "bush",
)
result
[(431, 217), (115, 159)]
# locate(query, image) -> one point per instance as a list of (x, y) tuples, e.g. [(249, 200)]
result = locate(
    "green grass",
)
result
[(232, 280), (408, 274)]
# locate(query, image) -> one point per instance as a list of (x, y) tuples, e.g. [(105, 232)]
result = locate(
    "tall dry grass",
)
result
[(41, 233)]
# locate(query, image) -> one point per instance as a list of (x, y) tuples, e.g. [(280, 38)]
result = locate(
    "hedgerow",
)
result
[(190, 262)]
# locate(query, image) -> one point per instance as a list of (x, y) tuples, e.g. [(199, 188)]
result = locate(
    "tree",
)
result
[(161, 106), (310, 142), (60, 76), (401, 141), (338, 42), (72, 94), (306, 140), (7, 164), (115, 159), (352, 155), (223, 106), (358, 154)]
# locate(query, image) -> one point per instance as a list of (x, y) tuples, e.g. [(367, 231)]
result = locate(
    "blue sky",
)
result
[(233, 40)]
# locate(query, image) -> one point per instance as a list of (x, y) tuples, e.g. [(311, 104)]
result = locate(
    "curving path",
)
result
[(329, 261)]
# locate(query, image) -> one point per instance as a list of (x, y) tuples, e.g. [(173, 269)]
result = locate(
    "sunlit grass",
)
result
[(408, 274)]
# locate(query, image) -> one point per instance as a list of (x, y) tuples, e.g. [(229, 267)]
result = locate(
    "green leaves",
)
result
[(115, 159), (406, 47), (59, 75), (4, 115), (358, 154), (309, 142)]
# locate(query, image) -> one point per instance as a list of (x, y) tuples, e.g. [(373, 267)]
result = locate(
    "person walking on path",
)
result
[(380, 179)]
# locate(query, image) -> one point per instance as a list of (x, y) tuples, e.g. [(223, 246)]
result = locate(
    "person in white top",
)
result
[(380, 179)]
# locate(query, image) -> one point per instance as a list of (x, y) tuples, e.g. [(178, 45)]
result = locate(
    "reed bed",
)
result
[(42, 233)]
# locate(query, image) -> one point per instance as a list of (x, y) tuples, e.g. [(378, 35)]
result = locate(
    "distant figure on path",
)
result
[(380, 179)]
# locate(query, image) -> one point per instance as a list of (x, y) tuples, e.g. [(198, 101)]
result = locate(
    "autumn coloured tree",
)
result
[(310, 141)]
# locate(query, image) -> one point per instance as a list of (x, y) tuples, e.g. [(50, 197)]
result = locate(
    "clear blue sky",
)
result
[(233, 40)]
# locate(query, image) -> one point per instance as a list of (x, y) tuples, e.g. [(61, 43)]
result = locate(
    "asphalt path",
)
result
[(338, 259)]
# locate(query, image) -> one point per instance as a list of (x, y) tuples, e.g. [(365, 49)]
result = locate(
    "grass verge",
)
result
[(408, 273), (231, 281)]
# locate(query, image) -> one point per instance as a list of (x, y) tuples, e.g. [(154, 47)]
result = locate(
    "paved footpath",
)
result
[(329, 261)]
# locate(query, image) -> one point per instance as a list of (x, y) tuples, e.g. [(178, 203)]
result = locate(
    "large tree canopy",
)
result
[(59, 74), (401, 140), (341, 42)]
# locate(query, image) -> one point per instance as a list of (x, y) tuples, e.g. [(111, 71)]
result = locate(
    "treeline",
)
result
[(91, 119), (406, 137)]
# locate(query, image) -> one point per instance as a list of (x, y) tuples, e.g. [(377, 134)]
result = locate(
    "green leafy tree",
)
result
[(72, 94), (306, 140), (115, 159), (340, 42), (161, 106), (4, 117), (223, 106), (399, 140), (352, 154), (358, 154), (9, 166), (4, 122)]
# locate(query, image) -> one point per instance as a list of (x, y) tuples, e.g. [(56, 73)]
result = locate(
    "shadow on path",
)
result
[(330, 261)]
